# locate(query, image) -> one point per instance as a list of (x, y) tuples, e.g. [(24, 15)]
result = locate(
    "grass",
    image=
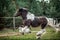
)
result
[(49, 35)]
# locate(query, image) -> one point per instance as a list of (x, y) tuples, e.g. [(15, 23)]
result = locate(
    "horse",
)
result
[(30, 19)]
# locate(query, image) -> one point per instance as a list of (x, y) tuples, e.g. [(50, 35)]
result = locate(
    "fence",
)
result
[(15, 21), (11, 21)]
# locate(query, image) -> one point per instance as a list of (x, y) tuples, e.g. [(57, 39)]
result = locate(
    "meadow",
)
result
[(49, 35)]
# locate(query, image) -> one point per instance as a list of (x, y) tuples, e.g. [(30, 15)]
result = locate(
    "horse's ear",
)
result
[(20, 10)]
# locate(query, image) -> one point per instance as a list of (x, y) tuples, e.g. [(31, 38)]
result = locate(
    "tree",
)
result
[(56, 5), (7, 8)]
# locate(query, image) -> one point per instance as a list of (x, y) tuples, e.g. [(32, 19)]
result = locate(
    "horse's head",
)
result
[(21, 12)]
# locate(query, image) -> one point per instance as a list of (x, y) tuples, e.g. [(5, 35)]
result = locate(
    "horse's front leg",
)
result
[(26, 29), (27, 26)]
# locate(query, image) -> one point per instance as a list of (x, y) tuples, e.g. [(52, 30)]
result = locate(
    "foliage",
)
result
[(56, 9), (9, 7)]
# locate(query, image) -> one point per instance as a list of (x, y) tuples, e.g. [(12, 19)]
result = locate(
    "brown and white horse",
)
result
[(30, 19)]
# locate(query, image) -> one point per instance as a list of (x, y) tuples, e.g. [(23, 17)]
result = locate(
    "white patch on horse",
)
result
[(51, 21), (30, 16), (24, 29), (27, 30), (21, 29), (25, 8)]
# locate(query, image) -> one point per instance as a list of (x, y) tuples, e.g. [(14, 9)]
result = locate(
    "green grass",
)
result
[(49, 35)]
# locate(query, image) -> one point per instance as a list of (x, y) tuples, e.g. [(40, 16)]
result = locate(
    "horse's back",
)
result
[(35, 22), (38, 21)]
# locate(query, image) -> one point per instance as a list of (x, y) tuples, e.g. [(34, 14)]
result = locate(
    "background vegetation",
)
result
[(49, 8)]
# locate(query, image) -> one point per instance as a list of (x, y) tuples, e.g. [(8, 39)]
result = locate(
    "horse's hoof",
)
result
[(30, 32), (22, 33), (38, 38)]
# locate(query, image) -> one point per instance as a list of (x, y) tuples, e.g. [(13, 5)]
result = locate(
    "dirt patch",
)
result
[(10, 34)]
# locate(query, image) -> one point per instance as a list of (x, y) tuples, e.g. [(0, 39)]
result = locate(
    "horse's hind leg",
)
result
[(41, 31)]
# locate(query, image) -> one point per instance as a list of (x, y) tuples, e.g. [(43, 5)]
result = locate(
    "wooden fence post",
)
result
[(14, 23)]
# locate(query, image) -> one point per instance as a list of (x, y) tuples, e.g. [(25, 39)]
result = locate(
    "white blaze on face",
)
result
[(30, 16)]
